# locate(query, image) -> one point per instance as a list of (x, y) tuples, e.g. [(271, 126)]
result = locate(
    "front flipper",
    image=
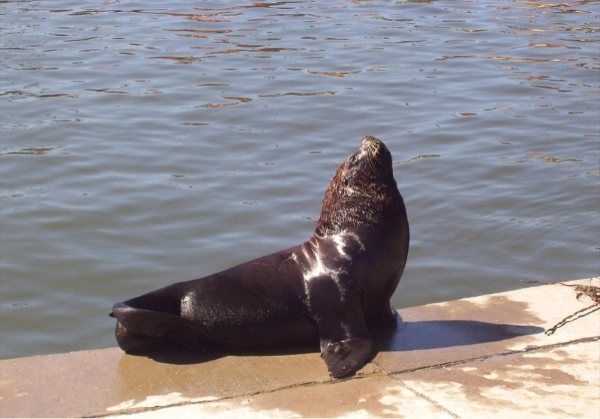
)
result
[(336, 306), (345, 357)]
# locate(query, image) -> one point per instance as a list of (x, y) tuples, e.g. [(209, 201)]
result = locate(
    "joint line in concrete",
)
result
[(424, 396), (484, 357)]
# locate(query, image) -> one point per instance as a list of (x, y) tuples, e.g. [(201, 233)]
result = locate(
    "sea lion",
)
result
[(332, 288)]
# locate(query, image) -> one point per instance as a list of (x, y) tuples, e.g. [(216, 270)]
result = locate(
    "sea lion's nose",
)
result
[(368, 141)]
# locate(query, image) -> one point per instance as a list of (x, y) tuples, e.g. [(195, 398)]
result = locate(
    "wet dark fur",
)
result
[(376, 198), (330, 289)]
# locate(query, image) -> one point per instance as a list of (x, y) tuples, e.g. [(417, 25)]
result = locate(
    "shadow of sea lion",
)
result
[(436, 334), (173, 354), (403, 336)]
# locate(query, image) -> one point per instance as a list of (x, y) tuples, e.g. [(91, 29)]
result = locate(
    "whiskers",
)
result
[(373, 154)]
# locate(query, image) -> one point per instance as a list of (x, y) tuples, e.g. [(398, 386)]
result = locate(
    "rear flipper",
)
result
[(141, 331), (346, 344), (136, 344)]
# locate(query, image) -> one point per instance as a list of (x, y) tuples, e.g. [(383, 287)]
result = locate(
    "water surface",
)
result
[(142, 146)]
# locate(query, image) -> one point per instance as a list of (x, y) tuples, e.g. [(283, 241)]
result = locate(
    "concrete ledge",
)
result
[(470, 357)]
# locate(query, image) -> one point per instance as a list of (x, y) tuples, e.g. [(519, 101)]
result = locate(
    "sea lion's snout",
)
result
[(371, 146), (371, 149), (366, 141), (369, 141)]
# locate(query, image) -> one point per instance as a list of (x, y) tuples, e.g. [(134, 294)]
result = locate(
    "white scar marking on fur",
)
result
[(187, 304), (340, 243), (318, 268), (342, 239)]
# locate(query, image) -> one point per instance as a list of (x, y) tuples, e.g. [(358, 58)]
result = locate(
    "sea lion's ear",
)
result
[(344, 338)]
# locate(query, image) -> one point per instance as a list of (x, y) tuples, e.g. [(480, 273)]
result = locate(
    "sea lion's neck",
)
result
[(343, 212)]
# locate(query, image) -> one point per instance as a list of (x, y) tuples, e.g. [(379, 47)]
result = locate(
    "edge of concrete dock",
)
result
[(493, 354)]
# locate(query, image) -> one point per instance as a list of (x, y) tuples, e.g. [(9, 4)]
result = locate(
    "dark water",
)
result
[(142, 146)]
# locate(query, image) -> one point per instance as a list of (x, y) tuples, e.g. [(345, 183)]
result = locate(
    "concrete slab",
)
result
[(406, 377), (104, 381), (376, 395), (558, 382)]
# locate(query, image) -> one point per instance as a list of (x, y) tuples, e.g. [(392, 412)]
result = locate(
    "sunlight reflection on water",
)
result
[(143, 146)]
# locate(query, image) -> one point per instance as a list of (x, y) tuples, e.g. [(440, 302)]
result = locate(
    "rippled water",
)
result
[(143, 146)]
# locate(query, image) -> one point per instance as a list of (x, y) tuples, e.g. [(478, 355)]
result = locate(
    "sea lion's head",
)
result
[(363, 191), (367, 167)]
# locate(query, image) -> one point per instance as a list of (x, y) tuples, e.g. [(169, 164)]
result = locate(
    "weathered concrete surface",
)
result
[(561, 382), (483, 355), (374, 395)]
